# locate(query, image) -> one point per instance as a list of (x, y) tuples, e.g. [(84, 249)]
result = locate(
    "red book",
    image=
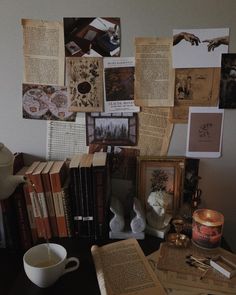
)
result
[(58, 174), (30, 213), (34, 199), (38, 186), (49, 197)]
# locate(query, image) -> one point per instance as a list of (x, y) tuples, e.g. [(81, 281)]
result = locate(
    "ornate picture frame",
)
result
[(161, 173)]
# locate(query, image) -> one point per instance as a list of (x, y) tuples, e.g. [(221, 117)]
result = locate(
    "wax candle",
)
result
[(207, 228)]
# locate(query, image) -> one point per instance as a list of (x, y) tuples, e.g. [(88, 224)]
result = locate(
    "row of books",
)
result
[(59, 199)]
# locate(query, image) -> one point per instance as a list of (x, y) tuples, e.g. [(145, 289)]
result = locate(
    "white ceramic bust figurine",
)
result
[(157, 204)]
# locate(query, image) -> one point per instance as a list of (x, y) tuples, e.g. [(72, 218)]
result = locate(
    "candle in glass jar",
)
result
[(207, 228)]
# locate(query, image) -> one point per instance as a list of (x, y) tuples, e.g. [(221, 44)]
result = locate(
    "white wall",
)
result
[(138, 18)]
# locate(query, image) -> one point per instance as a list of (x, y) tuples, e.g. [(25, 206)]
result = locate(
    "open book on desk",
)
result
[(123, 269)]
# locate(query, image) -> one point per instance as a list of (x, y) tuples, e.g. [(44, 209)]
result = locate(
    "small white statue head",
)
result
[(157, 204)]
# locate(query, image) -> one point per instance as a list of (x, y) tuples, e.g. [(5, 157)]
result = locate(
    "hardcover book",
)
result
[(34, 199), (58, 174), (49, 197), (85, 170), (101, 193), (75, 192), (36, 178)]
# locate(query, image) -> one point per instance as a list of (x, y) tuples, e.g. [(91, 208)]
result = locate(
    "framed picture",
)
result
[(111, 129), (161, 173)]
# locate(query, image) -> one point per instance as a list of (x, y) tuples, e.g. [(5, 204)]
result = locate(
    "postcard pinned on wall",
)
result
[(205, 128), (199, 48), (46, 102), (92, 36), (119, 84), (84, 78)]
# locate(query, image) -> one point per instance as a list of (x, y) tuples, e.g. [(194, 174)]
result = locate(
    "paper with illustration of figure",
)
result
[(205, 128), (84, 79), (194, 87), (43, 52), (154, 75), (199, 48), (119, 84)]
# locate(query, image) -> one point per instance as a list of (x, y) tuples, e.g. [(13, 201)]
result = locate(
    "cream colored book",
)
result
[(123, 269)]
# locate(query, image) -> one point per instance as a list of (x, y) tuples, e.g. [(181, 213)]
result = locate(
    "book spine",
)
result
[(75, 200), (22, 218), (12, 237), (35, 206), (50, 204), (60, 214), (99, 200), (29, 209), (2, 232), (68, 212), (84, 225)]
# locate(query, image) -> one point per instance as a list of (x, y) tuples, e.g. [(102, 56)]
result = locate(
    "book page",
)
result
[(154, 75), (43, 52), (176, 275), (154, 131), (122, 268)]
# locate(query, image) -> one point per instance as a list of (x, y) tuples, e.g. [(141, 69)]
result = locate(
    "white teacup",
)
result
[(45, 263)]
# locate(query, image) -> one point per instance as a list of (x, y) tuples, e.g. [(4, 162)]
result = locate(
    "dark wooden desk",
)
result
[(14, 281)]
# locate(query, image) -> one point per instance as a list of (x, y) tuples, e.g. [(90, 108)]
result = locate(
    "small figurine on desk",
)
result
[(157, 218)]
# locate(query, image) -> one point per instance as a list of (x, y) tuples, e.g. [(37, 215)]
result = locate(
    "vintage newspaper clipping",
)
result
[(154, 131), (43, 52), (123, 269), (154, 75)]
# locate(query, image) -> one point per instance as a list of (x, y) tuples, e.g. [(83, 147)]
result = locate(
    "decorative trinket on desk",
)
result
[(178, 239)]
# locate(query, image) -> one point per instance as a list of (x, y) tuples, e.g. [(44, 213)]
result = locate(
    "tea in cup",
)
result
[(45, 263)]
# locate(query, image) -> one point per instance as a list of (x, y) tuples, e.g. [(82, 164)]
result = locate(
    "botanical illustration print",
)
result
[(84, 80), (46, 102)]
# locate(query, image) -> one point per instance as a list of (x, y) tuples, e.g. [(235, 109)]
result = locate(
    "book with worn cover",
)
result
[(58, 174), (34, 199), (123, 269), (49, 198), (36, 178)]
